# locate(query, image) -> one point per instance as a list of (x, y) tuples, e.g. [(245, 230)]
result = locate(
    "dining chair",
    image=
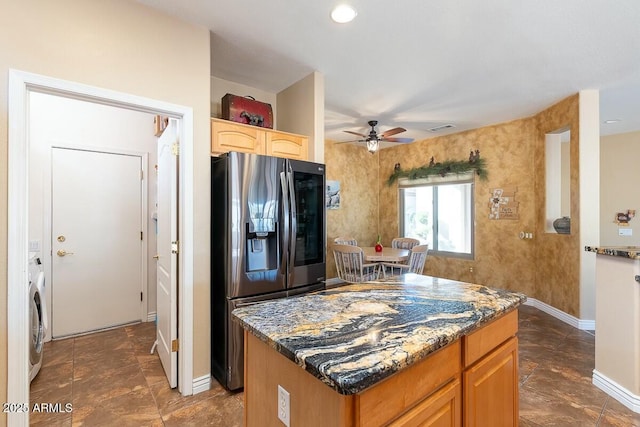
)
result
[(350, 264), (415, 264), (345, 241), (404, 242)]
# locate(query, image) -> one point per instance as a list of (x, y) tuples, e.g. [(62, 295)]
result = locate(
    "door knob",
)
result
[(156, 257), (62, 252)]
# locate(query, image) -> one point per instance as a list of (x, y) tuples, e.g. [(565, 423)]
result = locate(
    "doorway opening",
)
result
[(21, 84)]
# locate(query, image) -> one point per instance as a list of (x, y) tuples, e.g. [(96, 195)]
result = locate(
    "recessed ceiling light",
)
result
[(608, 122), (343, 14)]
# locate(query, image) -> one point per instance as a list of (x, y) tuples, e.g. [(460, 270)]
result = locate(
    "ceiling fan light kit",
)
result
[(372, 145)]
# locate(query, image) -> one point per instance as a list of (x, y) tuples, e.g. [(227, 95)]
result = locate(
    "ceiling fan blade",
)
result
[(398, 139), (346, 142), (392, 132), (355, 133)]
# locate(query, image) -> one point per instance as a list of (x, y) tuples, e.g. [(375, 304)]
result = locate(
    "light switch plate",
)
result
[(34, 245), (625, 231)]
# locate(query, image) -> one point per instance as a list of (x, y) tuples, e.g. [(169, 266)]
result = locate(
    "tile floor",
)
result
[(111, 379)]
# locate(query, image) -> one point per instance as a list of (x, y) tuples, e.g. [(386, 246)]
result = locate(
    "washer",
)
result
[(37, 315)]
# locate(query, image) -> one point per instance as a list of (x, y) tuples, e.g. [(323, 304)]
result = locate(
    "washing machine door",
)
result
[(37, 331)]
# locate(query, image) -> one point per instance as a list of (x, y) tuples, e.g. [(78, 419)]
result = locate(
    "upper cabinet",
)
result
[(289, 145), (229, 136)]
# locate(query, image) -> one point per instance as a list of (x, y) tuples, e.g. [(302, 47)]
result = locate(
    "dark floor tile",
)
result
[(526, 368), (53, 378), (547, 408), (39, 419), (142, 336), (136, 408), (89, 389), (170, 400), (615, 414), (215, 411), (57, 352), (111, 340), (99, 362), (152, 369)]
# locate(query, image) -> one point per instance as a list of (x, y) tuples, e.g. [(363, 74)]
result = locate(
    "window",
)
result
[(439, 214)]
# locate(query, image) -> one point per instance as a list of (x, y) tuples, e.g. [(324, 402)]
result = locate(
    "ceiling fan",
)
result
[(373, 139)]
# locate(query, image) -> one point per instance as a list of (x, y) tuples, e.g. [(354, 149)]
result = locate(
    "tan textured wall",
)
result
[(558, 255), (357, 171), (501, 258), (124, 46), (619, 156)]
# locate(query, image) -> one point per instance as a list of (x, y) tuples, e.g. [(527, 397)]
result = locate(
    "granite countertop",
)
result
[(354, 336), (632, 252)]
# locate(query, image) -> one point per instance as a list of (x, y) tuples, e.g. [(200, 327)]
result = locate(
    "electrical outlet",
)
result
[(283, 406)]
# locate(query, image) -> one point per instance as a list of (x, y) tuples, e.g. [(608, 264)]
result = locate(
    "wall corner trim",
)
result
[(202, 384)]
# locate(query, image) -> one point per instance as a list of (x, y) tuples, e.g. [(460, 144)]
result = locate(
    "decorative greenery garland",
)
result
[(442, 169)]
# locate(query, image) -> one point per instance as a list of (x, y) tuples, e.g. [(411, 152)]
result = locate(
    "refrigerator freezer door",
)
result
[(254, 225)]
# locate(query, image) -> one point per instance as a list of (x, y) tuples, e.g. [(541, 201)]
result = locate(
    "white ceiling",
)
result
[(424, 63)]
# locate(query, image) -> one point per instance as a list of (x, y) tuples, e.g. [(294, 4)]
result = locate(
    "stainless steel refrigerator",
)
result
[(267, 241)]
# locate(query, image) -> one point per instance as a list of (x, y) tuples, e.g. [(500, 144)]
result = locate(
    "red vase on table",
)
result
[(378, 245)]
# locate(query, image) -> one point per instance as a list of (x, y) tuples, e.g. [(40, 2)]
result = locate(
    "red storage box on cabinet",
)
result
[(247, 110)]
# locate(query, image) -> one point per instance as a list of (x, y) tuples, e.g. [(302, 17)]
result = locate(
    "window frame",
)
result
[(436, 182)]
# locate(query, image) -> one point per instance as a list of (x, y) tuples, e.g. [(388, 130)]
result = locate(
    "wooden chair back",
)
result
[(350, 264), (417, 258), (404, 242), (345, 241)]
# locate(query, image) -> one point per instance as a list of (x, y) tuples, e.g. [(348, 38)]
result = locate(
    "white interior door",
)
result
[(96, 240), (167, 258)]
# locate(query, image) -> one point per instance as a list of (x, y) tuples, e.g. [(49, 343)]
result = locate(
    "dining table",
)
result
[(387, 254)]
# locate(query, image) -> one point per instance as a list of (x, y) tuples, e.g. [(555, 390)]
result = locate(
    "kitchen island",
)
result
[(403, 351)]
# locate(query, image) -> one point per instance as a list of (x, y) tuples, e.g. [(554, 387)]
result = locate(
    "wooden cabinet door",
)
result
[(291, 146), (491, 388), (227, 136), (442, 409)]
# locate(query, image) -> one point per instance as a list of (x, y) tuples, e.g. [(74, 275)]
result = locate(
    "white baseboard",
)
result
[(616, 391), (585, 325), (151, 317), (201, 384)]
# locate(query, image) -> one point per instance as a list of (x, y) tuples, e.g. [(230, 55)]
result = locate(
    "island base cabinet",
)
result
[(472, 381), (425, 394), (311, 402), (442, 409), (491, 388)]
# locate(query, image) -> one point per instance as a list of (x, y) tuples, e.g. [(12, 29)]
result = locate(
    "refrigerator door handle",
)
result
[(293, 218), (286, 217)]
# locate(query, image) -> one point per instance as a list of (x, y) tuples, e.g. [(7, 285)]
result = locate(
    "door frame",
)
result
[(21, 83), (48, 226)]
